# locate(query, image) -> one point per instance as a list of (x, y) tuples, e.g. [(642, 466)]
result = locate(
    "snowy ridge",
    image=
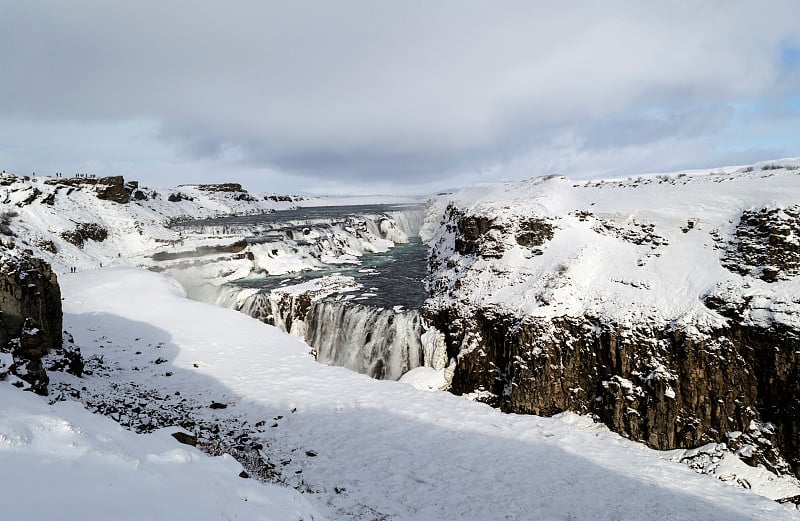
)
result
[(56, 218), (625, 249)]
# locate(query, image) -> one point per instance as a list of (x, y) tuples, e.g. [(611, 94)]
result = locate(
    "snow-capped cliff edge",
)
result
[(666, 306)]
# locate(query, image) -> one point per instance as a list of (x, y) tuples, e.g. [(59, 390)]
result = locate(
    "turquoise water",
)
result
[(390, 279)]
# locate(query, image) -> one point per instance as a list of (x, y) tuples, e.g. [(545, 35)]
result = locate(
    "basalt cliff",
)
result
[(667, 307), (30, 317)]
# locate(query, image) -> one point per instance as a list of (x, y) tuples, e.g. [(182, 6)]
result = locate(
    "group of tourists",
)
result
[(78, 176), (61, 174)]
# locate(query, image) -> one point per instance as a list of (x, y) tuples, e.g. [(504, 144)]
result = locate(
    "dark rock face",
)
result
[(113, 189), (221, 187), (669, 386), (30, 321), (486, 237), (534, 233), (476, 235), (177, 197), (766, 244), (5, 222), (660, 386), (84, 232)]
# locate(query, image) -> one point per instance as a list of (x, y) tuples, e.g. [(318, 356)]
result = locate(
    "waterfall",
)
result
[(378, 342), (408, 221), (381, 343), (286, 311)]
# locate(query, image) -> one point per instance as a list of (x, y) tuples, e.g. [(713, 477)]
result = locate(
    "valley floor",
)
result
[(356, 448)]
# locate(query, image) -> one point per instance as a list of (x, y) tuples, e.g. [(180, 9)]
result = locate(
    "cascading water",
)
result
[(381, 343), (377, 331)]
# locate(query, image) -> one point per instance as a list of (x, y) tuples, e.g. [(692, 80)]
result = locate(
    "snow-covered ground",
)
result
[(357, 448), (643, 249), (60, 462), (43, 211)]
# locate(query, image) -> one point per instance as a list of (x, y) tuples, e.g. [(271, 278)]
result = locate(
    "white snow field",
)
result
[(357, 448), (601, 260), (60, 462)]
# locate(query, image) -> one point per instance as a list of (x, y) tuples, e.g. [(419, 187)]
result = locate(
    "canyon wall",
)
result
[(548, 311)]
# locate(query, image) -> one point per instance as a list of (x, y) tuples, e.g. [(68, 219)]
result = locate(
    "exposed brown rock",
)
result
[(31, 317), (113, 189), (221, 187), (766, 244), (668, 386), (84, 232)]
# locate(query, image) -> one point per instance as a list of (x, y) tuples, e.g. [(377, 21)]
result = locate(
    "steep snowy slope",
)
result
[(360, 448)]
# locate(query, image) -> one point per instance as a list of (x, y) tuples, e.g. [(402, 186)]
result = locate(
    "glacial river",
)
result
[(389, 279), (377, 330)]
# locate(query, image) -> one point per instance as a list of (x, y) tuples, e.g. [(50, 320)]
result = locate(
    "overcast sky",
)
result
[(394, 97)]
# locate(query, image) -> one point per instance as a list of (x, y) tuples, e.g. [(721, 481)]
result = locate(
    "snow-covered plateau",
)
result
[(657, 306), (665, 306)]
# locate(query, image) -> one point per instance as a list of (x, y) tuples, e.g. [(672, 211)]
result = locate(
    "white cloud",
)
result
[(357, 91)]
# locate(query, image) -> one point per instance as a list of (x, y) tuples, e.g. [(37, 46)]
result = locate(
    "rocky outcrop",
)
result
[(85, 232), (668, 387), (111, 188), (177, 197), (221, 187), (30, 320), (668, 383), (533, 233), (766, 244), (284, 198), (235, 189), (476, 234)]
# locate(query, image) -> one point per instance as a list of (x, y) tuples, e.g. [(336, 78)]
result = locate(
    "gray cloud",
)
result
[(639, 128), (364, 91)]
